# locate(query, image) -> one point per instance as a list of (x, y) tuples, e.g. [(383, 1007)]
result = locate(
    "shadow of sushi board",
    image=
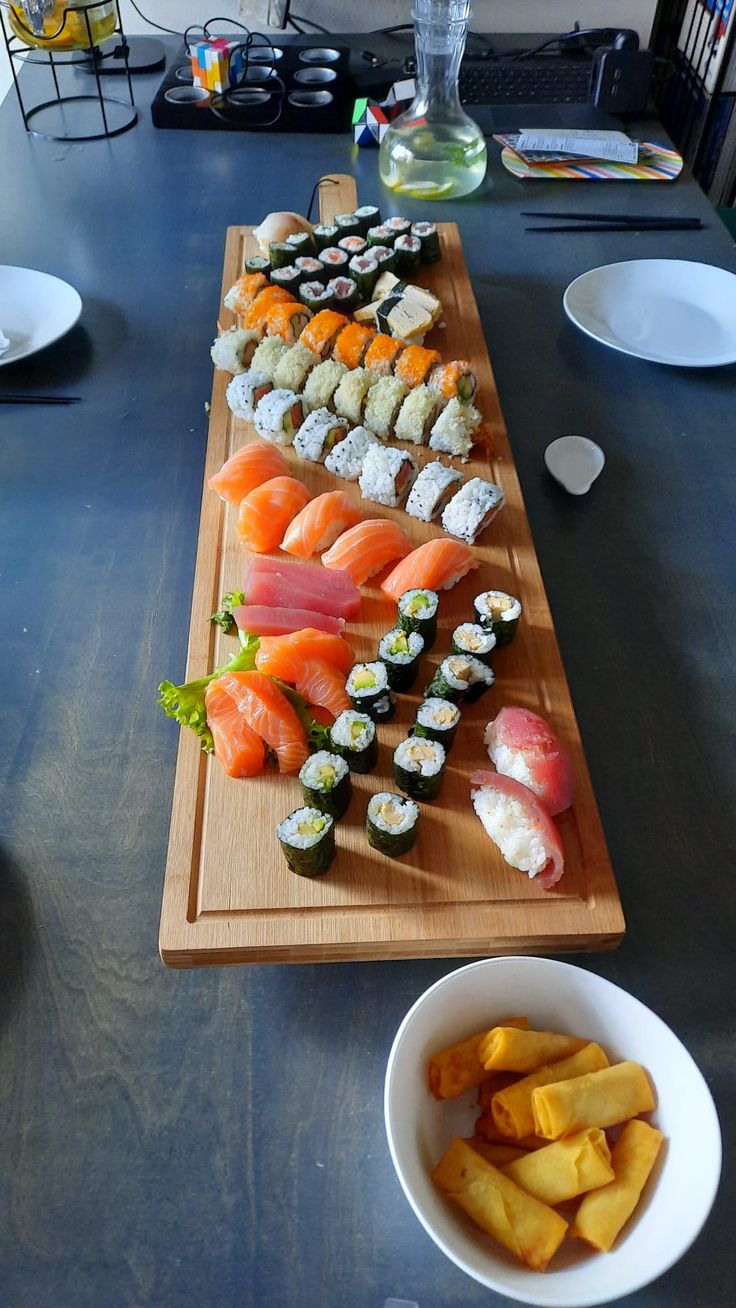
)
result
[(228, 895)]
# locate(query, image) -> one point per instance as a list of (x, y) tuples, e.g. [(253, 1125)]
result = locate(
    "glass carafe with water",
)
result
[(434, 150)]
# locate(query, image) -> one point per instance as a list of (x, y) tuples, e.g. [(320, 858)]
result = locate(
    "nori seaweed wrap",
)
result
[(325, 234), (429, 240), (460, 677), (471, 638), (437, 719), (419, 767), (257, 264), (391, 823), (353, 737), (325, 782), (348, 224), (300, 242), (288, 276), (281, 253), (418, 612), (499, 613), (307, 838), (369, 692), (400, 651), (408, 250), (368, 215)]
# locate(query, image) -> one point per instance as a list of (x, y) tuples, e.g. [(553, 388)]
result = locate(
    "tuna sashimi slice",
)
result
[(301, 585), (519, 825), (262, 620), (270, 715)]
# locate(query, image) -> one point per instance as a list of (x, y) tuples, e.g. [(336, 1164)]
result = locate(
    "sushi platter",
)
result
[(229, 896)]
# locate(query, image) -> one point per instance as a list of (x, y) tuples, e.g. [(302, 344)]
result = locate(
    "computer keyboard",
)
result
[(546, 80)]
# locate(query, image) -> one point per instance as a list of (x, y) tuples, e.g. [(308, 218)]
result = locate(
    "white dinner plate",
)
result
[(35, 310), (664, 310)]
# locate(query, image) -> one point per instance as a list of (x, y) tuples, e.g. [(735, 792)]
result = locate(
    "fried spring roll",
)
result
[(511, 1107), (565, 1169), (602, 1099), (603, 1213), (528, 1228), (486, 1128), (459, 1068), (498, 1154), (506, 1049)]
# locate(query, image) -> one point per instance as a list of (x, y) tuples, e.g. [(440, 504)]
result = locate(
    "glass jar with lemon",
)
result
[(60, 25)]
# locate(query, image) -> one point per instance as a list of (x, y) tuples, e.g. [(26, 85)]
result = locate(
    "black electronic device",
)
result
[(621, 80)]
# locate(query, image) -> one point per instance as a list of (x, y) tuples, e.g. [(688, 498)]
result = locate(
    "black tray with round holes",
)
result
[(286, 88)]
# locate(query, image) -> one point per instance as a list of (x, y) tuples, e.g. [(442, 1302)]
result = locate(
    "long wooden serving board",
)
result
[(228, 895)]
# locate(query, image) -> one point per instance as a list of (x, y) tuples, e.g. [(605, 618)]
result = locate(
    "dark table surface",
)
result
[(216, 1137)]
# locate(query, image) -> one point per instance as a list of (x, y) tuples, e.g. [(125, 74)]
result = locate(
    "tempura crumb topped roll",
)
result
[(603, 1213), (506, 1049), (565, 1169), (602, 1099), (512, 1107)]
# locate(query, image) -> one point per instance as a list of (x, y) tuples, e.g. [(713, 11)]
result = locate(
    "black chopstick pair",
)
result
[(12, 397), (611, 222)]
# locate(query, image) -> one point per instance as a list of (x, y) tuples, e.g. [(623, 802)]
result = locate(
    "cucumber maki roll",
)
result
[(384, 256), (459, 677), (408, 250), (419, 766), (307, 838), (347, 224), (368, 691), (325, 782), (429, 239), (418, 612), (437, 719), (499, 613), (368, 215), (400, 651), (471, 638), (363, 269), (280, 253), (353, 737), (325, 234), (288, 276), (391, 824), (257, 264), (300, 242)]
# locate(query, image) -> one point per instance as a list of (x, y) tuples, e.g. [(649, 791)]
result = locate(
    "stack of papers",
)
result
[(552, 145)]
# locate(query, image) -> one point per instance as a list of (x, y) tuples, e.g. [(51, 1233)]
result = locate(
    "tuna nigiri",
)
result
[(437, 565), (365, 549), (281, 584), (519, 825), (317, 680), (523, 746), (309, 643), (260, 620), (266, 512), (320, 523), (270, 714), (246, 469), (237, 746)]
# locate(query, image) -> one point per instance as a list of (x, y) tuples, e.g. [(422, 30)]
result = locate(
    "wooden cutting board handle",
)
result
[(338, 193)]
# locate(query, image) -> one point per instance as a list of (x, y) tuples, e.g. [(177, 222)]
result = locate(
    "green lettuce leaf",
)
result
[(224, 616)]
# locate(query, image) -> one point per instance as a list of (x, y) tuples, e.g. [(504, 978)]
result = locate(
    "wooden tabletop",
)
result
[(216, 1137)]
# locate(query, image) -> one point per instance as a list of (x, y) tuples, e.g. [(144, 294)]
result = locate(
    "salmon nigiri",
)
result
[(306, 644), (317, 680), (266, 512), (246, 469), (270, 715), (237, 746), (365, 549), (320, 523), (437, 565)]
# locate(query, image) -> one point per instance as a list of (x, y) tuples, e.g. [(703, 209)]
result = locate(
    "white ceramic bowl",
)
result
[(554, 996)]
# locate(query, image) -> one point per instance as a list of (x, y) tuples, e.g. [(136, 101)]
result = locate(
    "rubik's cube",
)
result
[(218, 64), (371, 119)]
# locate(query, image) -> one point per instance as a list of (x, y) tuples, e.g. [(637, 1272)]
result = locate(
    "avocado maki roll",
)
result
[(325, 782), (307, 838), (368, 215), (391, 823), (368, 691), (499, 613), (437, 719), (400, 651), (325, 234), (347, 224), (300, 242), (459, 677), (353, 737), (257, 264), (419, 766), (418, 612), (280, 253), (408, 250), (471, 638), (429, 240)]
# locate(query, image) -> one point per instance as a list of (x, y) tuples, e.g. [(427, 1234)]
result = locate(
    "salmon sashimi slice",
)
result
[(365, 549), (237, 746), (317, 680), (320, 523), (437, 565), (266, 512), (281, 584), (246, 469), (260, 620), (270, 715), (306, 644)]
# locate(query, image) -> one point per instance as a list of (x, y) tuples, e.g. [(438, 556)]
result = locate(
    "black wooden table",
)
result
[(215, 1137)]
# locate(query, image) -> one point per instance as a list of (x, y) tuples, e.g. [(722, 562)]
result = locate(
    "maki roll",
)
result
[(416, 416), (352, 245), (321, 333), (245, 392), (352, 344), (398, 227), (325, 235), (294, 367), (363, 269), (288, 276), (311, 269), (319, 434), (368, 215), (432, 489), (345, 293), (499, 613), (353, 737), (460, 677), (350, 397), (267, 355), (408, 250), (384, 256), (391, 824), (307, 837), (278, 416), (471, 638), (325, 782), (321, 385), (380, 234), (419, 767), (455, 380), (369, 692), (384, 400), (437, 719), (334, 260), (454, 429), (429, 240), (418, 612), (346, 459), (387, 475), (300, 242), (473, 509), (280, 253), (233, 350), (258, 264), (400, 651), (316, 296), (347, 224)]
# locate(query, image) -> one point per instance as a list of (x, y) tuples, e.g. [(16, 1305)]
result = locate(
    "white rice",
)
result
[(322, 383), (453, 431), (288, 830), (350, 395), (268, 354), (405, 809), (472, 509), (347, 458), (294, 367), (430, 489), (413, 640), (383, 403), (383, 704), (457, 671), (310, 773), (239, 393), (381, 470), (510, 828), (415, 415), (228, 350), (269, 416), (425, 757), (441, 714), (341, 730), (509, 762), (312, 439)]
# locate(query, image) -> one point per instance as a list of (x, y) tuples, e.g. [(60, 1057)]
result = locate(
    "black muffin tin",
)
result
[(287, 88)]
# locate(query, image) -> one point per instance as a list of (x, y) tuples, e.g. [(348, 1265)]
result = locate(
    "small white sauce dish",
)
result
[(575, 462)]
